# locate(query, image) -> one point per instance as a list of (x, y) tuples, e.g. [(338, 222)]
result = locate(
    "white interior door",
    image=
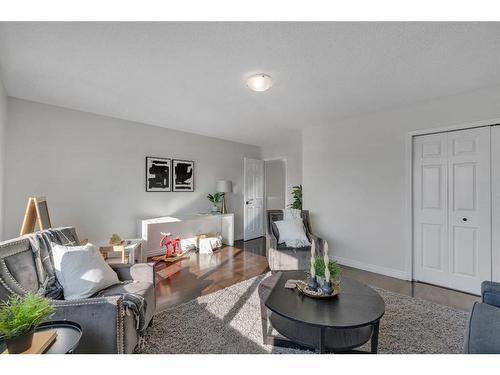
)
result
[(254, 198), (452, 209)]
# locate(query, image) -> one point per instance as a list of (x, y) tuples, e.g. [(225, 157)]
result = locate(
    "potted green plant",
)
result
[(215, 199), (297, 197), (18, 318), (333, 267)]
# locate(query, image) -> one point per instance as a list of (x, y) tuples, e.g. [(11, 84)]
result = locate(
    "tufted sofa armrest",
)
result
[(490, 293), (135, 272), (101, 319)]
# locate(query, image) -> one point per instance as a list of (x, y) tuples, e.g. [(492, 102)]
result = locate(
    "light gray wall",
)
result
[(288, 146), (275, 172), (3, 126), (91, 168), (355, 177)]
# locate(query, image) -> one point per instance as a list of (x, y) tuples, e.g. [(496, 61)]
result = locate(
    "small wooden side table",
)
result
[(129, 252), (106, 250)]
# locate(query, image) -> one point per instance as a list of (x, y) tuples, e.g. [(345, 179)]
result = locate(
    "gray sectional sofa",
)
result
[(113, 320)]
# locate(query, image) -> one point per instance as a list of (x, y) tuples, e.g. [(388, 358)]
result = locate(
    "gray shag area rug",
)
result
[(228, 321)]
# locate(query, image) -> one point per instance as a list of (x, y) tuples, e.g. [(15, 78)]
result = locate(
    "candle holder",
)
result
[(312, 283), (326, 287), (315, 285)]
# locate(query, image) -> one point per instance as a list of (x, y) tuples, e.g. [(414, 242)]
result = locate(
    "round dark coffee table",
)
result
[(68, 336), (338, 324)]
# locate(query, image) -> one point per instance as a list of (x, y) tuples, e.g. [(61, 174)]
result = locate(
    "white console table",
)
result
[(184, 226)]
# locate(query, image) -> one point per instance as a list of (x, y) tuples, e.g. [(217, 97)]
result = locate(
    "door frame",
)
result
[(409, 181)]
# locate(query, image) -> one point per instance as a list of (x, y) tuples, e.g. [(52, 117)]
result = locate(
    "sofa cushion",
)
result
[(81, 270), (18, 266), (491, 298), (139, 288)]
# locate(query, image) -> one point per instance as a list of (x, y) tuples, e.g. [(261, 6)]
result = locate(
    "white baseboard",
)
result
[(398, 274)]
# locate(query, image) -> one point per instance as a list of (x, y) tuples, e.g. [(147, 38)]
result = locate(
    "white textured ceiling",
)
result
[(191, 76)]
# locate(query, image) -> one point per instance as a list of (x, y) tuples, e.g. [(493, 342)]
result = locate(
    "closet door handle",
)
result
[(464, 219)]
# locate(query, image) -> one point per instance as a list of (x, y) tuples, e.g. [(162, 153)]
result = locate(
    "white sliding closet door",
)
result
[(452, 209)]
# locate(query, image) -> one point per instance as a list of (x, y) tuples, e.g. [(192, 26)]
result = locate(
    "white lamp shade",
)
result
[(224, 186)]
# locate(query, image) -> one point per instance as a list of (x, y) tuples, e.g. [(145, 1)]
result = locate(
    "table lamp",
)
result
[(224, 186)]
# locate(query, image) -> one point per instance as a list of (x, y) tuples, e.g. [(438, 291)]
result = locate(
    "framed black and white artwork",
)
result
[(158, 174), (183, 178)]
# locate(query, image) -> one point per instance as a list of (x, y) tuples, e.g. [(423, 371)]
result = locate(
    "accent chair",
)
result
[(283, 258)]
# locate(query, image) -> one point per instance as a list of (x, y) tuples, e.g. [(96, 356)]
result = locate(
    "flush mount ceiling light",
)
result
[(259, 82)]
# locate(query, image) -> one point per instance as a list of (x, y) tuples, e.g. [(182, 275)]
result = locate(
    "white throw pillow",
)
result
[(81, 270), (292, 233)]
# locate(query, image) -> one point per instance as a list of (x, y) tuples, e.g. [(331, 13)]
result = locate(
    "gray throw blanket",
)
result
[(137, 305), (133, 303), (40, 245)]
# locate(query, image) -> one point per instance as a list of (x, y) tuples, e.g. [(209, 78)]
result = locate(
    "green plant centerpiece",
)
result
[(297, 197), (323, 278), (18, 318), (333, 267), (215, 199)]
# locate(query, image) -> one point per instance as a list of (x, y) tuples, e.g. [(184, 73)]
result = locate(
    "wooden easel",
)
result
[(37, 211)]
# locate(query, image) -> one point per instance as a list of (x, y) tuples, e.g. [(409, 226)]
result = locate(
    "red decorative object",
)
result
[(172, 246)]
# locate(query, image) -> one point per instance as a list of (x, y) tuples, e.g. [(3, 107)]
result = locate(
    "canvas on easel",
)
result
[(37, 211)]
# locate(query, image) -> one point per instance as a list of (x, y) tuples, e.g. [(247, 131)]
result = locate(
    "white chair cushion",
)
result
[(81, 270), (292, 233)]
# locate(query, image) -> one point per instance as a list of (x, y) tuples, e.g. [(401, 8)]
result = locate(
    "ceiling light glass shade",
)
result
[(259, 82)]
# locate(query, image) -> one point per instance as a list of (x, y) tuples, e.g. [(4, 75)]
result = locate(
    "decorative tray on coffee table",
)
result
[(304, 289)]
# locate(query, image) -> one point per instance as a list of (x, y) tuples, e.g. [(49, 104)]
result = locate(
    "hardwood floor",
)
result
[(443, 296), (202, 274)]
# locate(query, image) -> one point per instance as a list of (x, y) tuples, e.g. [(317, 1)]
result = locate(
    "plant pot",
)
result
[(21, 343), (215, 209)]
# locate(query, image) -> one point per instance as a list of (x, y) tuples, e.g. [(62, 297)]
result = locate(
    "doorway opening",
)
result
[(275, 183)]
